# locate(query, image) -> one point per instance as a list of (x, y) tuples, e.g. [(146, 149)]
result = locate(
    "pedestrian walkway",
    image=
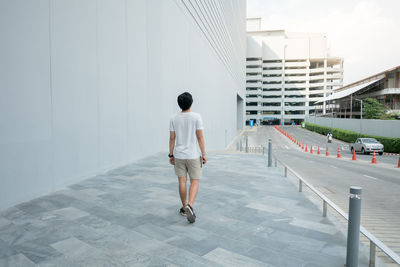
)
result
[(247, 215)]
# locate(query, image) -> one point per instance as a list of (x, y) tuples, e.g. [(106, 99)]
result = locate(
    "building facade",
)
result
[(286, 74), (87, 86), (384, 86)]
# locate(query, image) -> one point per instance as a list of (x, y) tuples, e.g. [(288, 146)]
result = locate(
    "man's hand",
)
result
[(204, 158), (172, 161)]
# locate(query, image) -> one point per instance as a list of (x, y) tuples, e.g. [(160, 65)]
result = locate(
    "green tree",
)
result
[(391, 116), (372, 109)]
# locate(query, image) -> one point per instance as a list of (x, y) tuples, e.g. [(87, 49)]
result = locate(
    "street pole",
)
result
[(361, 114), (269, 152), (247, 144), (331, 118), (361, 117), (315, 115), (353, 230)]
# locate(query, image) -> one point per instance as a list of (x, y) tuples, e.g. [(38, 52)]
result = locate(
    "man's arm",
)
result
[(171, 146), (200, 139)]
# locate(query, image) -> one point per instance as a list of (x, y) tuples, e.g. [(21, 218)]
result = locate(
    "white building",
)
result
[(87, 86), (286, 73)]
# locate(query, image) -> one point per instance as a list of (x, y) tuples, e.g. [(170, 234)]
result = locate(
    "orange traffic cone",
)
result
[(327, 152), (306, 149), (373, 158), (354, 155), (398, 164), (302, 146), (338, 153), (311, 150), (319, 151)]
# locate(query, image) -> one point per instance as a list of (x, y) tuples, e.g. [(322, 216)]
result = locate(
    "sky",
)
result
[(366, 33)]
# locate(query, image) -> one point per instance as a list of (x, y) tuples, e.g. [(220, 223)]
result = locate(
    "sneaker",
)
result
[(191, 217), (182, 212)]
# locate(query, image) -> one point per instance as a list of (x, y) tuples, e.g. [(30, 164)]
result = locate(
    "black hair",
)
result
[(185, 101)]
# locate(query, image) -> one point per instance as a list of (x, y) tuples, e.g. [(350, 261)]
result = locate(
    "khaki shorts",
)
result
[(192, 166)]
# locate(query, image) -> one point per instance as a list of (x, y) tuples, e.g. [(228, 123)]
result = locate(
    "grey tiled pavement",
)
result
[(247, 215)]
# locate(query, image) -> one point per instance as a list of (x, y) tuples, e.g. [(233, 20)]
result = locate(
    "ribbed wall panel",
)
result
[(222, 23)]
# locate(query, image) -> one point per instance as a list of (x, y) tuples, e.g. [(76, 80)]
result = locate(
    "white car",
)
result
[(367, 145)]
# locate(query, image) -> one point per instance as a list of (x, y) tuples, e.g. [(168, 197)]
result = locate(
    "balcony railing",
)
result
[(296, 71), (296, 78), (271, 72), (272, 65), (296, 64), (295, 85)]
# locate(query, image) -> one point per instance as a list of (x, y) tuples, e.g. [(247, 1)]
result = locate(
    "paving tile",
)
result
[(294, 240), (6, 250), (314, 256), (16, 260), (228, 258), (273, 257), (4, 222), (230, 243), (70, 213), (199, 247), (36, 251), (183, 229), (153, 231), (264, 207), (74, 248), (316, 226), (178, 256), (15, 234)]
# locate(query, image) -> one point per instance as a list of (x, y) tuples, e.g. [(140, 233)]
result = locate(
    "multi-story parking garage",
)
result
[(286, 74)]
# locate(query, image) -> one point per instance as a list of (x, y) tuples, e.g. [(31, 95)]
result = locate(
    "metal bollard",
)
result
[(300, 185), (285, 171), (353, 230), (269, 152), (247, 144), (324, 208), (372, 253), (240, 145)]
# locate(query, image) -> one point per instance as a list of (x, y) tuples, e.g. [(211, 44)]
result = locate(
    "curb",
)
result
[(390, 154)]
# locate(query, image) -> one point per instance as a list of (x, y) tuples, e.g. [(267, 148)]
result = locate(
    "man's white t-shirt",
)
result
[(185, 124)]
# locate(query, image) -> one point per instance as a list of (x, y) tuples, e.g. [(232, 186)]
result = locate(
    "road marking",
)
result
[(333, 166), (370, 177), (286, 147)]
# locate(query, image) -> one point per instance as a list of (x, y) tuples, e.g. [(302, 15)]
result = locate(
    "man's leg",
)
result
[(194, 187), (183, 189)]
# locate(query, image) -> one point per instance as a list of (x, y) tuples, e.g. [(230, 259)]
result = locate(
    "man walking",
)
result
[(187, 152)]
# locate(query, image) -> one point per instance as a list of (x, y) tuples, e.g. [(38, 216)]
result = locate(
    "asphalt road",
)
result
[(333, 177), (315, 139)]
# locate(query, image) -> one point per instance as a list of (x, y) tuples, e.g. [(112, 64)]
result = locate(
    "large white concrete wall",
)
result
[(90, 85)]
